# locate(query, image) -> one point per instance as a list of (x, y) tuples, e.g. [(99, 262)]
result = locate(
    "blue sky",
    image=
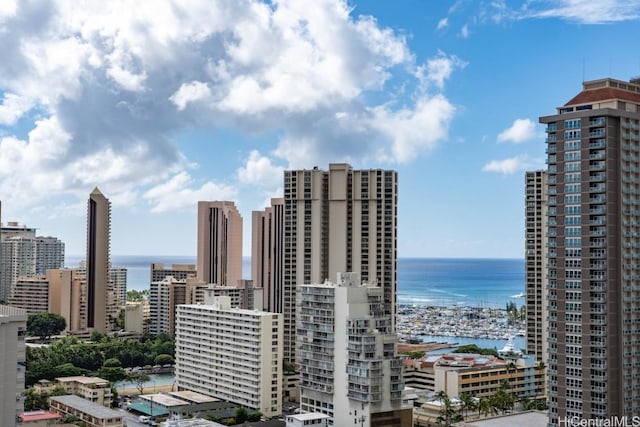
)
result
[(162, 104)]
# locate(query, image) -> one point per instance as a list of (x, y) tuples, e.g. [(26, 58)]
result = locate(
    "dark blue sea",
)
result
[(421, 281)]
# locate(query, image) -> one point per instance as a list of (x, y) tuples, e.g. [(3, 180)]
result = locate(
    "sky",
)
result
[(161, 104)]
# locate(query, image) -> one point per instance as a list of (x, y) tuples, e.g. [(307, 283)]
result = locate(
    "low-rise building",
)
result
[(94, 389), (38, 418), (475, 374), (91, 414), (309, 419)]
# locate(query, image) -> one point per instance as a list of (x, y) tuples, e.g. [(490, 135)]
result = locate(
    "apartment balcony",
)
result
[(598, 121), (597, 165), (598, 155), (598, 199), (597, 133), (597, 188)]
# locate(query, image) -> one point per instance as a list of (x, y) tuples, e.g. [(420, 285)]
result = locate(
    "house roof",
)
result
[(603, 94)]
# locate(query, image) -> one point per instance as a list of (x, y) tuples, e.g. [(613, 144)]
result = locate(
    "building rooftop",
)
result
[(82, 380), (37, 416), (192, 396), (522, 419), (86, 406), (165, 400), (603, 94)]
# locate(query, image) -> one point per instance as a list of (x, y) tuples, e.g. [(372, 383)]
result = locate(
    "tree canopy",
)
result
[(44, 325)]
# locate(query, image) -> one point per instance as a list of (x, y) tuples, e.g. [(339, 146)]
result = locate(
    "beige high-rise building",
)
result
[(13, 325), (68, 297), (219, 253), (99, 300), (335, 221), (267, 254), (31, 294), (535, 264), (177, 271), (593, 215)]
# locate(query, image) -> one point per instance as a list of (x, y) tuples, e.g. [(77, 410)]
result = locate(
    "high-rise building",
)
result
[(99, 300), (231, 354), (177, 271), (31, 294), (335, 221), (23, 253), (13, 325), (535, 264), (68, 297), (593, 216), (267, 252), (219, 253), (118, 280), (347, 354)]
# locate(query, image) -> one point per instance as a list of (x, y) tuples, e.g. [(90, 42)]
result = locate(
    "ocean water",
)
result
[(421, 281)]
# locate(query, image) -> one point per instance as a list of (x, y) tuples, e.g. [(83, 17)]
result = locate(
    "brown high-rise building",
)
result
[(219, 254), (267, 252), (99, 297), (535, 263), (340, 220), (593, 216)]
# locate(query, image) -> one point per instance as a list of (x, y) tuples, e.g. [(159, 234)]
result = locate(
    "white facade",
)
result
[(346, 352), (24, 254), (118, 277), (13, 325), (160, 305), (231, 354)]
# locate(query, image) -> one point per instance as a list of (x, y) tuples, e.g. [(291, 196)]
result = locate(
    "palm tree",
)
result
[(447, 412), (485, 406), (467, 402)]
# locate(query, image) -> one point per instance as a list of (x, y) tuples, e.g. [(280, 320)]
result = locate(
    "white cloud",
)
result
[(511, 165), (584, 11), (464, 31), (12, 108), (438, 69), (414, 130), (102, 90), (175, 194), (520, 131), (259, 170), (190, 92), (443, 23)]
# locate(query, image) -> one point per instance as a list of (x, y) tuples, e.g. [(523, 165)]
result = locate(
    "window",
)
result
[(572, 155), (572, 177), (572, 198), (572, 145), (572, 166), (572, 134), (572, 123), (572, 188)]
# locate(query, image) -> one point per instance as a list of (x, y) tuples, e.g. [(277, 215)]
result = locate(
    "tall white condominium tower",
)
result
[(118, 280), (267, 252), (335, 221), (347, 355), (22, 253), (100, 298), (13, 325), (593, 145), (230, 353), (535, 263), (219, 254)]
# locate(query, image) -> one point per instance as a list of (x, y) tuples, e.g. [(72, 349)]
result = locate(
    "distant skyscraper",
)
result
[(98, 246), (593, 215), (267, 252), (23, 253), (535, 264), (335, 221), (219, 255), (347, 355), (13, 325)]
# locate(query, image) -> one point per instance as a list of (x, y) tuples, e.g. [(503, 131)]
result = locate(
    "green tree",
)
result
[(69, 370), (112, 362), (241, 415), (139, 380), (112, 374), (473, 348), (44, 325), (468, 403), (164, 359), (134, 295)]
